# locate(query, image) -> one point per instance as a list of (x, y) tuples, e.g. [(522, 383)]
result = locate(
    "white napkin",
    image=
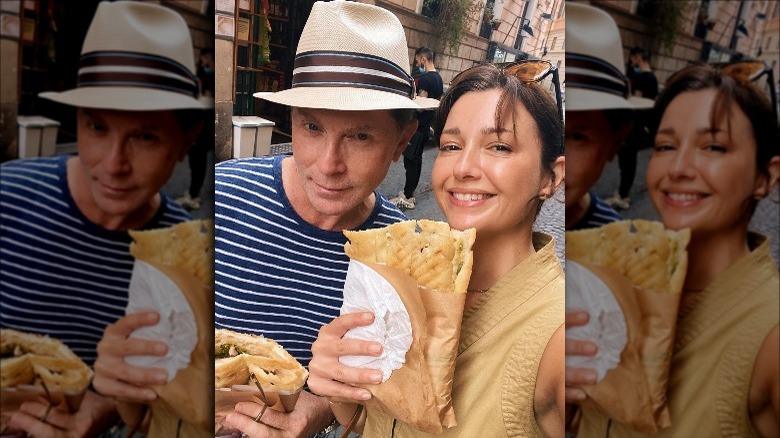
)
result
[(366, 290), (151, 289), (607, 325)]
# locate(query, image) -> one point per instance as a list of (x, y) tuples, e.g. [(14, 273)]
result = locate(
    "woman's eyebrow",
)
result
[(494, 130)]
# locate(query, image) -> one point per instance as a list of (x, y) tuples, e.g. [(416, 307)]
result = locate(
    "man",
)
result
[(428, 85), (279, 261), (66, 264), (599, 109), (643, 84)]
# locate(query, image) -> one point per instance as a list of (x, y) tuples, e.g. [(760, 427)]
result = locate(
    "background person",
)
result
[(715, 156), (429, 84), (66, 264), (500, 157), (280, 265), (643, 84)]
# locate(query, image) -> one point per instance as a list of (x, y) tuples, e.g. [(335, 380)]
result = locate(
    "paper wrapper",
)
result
[(186, 394), (225, 400), (420, 392), (634, 392)]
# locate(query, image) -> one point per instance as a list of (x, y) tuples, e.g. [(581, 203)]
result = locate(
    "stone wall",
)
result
[(419, 32)]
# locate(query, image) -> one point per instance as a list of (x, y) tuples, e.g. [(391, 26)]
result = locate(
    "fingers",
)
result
[(247, 425), (575, 379), (576, 318), (339, 326), (576, 347), (331, 388), (34, 426), (113, 387), (130, 323), (575, 395)]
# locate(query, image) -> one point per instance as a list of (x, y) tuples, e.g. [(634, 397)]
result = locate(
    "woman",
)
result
[(499, 158), (715, 157)]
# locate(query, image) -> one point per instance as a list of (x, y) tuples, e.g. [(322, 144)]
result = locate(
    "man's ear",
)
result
[(404, 140), (559, 174), (765, 184)]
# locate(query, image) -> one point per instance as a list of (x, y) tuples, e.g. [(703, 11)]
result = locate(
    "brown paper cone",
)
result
[(419, 393), (188, 395), (634, 393)]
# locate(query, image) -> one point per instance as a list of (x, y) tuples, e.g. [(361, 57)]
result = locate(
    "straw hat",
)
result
[(351, 56), (594, 63), (136, 57)]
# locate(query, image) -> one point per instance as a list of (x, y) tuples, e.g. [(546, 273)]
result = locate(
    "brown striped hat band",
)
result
[(348, 69), (133, 69), (589, 72)]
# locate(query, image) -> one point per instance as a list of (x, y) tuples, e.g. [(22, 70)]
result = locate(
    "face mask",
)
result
[(635, 69), (422, 68)]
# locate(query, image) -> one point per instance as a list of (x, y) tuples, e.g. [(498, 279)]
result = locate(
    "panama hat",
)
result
[(594, 63), (351, 56), (136, 57)]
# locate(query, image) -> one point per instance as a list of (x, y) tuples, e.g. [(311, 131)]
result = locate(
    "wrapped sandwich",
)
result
[(242, 362), (173, 274), (628, 276), (413, 276), (36, 367)]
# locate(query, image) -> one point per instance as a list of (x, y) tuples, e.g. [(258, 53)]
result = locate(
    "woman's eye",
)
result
[(663, 147), (576, 136), (715, 148), (501, 147), (449, 147)]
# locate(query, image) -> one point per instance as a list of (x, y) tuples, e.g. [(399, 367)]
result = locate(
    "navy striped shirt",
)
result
[(275, 274), (599, 213), (61, 274)]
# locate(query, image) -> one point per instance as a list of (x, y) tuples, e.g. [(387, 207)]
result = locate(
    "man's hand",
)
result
[(576, 377), (311, 415), (116, 378), (96, 414), (327, 376)]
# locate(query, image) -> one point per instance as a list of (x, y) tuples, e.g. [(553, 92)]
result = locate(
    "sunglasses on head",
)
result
[(747, 71), (529, 71)]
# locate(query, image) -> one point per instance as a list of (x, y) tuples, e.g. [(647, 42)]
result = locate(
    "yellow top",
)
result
[(717, 340), (501, 344)]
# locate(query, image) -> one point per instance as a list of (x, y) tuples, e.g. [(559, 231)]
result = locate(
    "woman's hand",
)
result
[(327, 376), (577, 377), (116, 378)]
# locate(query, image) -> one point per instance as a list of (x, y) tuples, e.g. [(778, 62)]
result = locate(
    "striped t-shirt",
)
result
[(275, 274), (599, 213), (61, 274)]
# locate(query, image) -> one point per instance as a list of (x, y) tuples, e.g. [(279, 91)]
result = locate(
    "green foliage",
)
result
[(452, 21), (667, 17)]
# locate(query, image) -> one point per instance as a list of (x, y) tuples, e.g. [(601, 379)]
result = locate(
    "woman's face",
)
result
[(485, 177), (702, 176)]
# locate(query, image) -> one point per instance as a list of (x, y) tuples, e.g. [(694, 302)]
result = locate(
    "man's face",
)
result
[(590, 143), (125, 157), (342, 156)]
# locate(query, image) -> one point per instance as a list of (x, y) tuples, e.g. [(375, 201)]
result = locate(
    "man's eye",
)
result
[(362, 136), (96, 126), (148, 136), (312, 127), (576, 136)]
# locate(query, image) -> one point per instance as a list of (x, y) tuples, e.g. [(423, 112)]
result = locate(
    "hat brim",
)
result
[(346, 99), (124, 99), (578, 99)]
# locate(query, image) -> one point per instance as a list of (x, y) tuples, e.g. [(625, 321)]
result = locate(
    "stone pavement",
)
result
[(766, 219)]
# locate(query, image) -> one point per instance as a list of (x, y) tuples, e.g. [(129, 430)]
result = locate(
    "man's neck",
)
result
[(85, 202), (429, 67), (577, 210), (299, 200)]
